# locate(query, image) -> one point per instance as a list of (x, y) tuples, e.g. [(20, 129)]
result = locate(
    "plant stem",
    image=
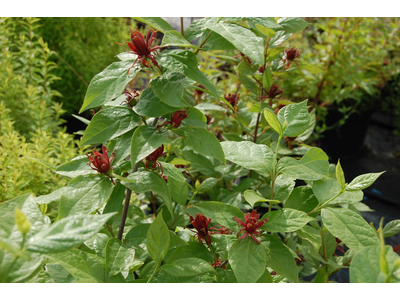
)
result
[(321, 206), (155, 272), (202, 44), (273, 176), (125, 210), (182, 29)]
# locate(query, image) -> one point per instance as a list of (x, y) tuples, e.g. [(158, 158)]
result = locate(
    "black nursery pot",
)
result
[(345, 142)]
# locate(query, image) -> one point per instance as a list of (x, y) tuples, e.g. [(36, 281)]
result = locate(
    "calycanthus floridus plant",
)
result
[(195, 181)]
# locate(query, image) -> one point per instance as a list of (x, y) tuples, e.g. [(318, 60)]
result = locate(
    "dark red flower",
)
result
[(218, 264), (261, 69), (142, 47), (200, 223), (101, 162), (131, 98), (232, 99), (199, 93), (223, 230), (291, 55), (300, 259), (151, 160), (274, 91), (250, 225), (178, 117)]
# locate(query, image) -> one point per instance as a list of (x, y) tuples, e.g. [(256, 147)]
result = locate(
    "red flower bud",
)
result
[(200, 223), (274, 91), (151, 160), (250, 225), (292, 54), (232, 99), (101, 162), (178, 117)]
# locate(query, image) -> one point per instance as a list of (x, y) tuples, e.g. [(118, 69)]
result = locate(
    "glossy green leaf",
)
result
[(59, 274), (306, 134), (296, 117), (188, 267), (148, 181), (119, 258), (293, 24), (246, 77), (174, 38), (312, 235), (363, 181), (145, 141), (83, 266), (267, 32), (364, 267), (314, 165), (350, 227), (391, 228), (285, 220), (114, 202), (173, 172), (242, 38), (54, 196), (340, 175), (169, 88), (155, 22), (158, 239), (195, 118), (250, 156), (98, 243), (67, 233), (279, 258), (137, 235), (193, 250), (109, 84), (273, 121), (150, 105), (200, 163), (219, 213), (109, 124), (202, 141), (302, 198), (13, 249), (207, 185), (179, 190), (214, 42), (325, 189), (185, 61), (278, 39), (282, 188), (267, 79), (84, 194), (253, 197), (77, 166), (247, 260), (313, 69)]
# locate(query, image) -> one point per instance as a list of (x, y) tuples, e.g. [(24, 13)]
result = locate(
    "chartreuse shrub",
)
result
[(29, 119), (166, 201)]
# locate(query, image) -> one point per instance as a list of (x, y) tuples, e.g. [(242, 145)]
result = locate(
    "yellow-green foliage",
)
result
[(29, 119)]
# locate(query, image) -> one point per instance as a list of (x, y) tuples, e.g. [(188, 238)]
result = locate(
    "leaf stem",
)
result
[(155, 272), (273, 176), (321, 206)]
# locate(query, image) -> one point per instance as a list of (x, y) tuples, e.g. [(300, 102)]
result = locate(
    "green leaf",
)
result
[(365, 265), (67, 233), (282, 188), (119, 258), (195, 118), (253, 197), (158, 239), (137, 235), (278, 39), (155, 22), (188, 267), (302, 198), (148, 181), (13, 249), (296, 117), (279, 258), (59, 274), (173, 172), (391, 228), (202, 141), (325, 189), (267, 79), (250, 156), (174, 38), (314, 165), (200, 163), (293, 24), (265, 31), (22, 222), (306, 134), (150, 105), (247, 260), (340, 176), (219, 212), (84, 194), (207, 185), (85, 267), (273, 121), (123, 146), (246, 77), (242, 38), (185, 61), (145, 141), (285, 220), (312, 235), (109, 84), (169, 88), (179, 190), (54, 196), (109, 124), (313, 69), (350, 227), (214, 42), (193, 250), (77, 166), (363, 181)]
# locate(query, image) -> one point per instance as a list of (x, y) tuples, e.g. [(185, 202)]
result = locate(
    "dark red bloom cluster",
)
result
[(218, 264), (274, 91), (291, 55), (131, 98), (232, 99), (178, 117), (101, 162), (261, 69), (198, 93), (151, 160), (250, 225), (222, 230), (200, 223), (142, 47)]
